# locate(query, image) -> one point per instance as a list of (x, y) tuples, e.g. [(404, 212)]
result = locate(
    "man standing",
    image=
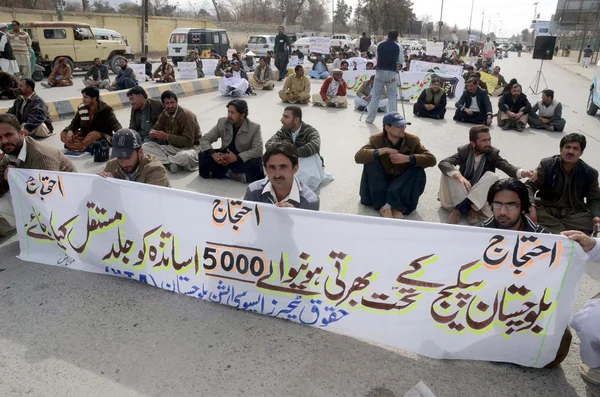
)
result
[(513, 108), (463, 50), (393, 176), (333, 92), (465, 189), (587, 56), (94, 121), (235, 81), (97, 76), (281, 187), (550, 113), (282, 52), (7, 58), (296, 88), (568, 195), (390, 58), (364, 95), (32, 111), (488, 49), (432, 101), (144, 112), (129, 162), (263, 76), (9, 85), (125, 78), (22, 152), (175, 138), (510, 204), (239, 157), (308, 142), (474, 105), (164, 73), (21, 44), (61, 75), (364, 44)]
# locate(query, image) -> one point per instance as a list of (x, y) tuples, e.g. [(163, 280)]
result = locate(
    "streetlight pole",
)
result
[(470, 20), (332, 18), (441, 23), (481, 30)]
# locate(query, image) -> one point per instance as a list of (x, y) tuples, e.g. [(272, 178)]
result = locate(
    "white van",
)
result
[(102, 34), (184, 40)]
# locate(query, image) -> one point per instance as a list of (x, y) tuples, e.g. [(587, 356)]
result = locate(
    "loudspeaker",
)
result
[(544, 47)]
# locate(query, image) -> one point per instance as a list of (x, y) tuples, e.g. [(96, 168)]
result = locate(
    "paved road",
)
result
[(69, 333)]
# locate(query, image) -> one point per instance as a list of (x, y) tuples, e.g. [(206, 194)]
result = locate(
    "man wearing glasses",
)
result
[(510, 204)]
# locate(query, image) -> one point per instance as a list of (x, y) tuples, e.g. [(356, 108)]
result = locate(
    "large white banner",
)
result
[(187, 70), (319, 45), (439, 290), (424, 67)]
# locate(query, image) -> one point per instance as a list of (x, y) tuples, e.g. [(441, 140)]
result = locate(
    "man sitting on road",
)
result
[(248, 63), (94, 121), (239, 157), (474, 105), (501, 82), (510, 205), (296, 88), (129, 162), (32, 111), (513, 108), (9, 85), (97, 76), (333, 92), (466, 189), (175, 138), (432, 101), (144, 112), (308, 142), (193, 57), (147, 67), (363, 96), (235, 82), (164, 73), (281, 187), (61, 75), (263, 76), (547, 113), (125, 79), (568, 195), (23, 152), (222, 66), (393, 176), (319, 69)]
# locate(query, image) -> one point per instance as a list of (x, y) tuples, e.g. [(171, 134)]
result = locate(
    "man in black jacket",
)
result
[(144, 112), (282, 50), (513, 108), (466, 189), (568, 195), (474, 105), (364, 44), (432, 101), (97, 76), (32, 111)]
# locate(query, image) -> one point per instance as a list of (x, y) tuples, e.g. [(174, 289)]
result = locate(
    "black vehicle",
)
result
[(184, 40)]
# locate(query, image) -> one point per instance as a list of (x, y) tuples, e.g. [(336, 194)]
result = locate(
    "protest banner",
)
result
[(319, 45), (354, 79), (209, 66), (490, 80), (361, 63), (434, 49), (140, 71), (422, 66), (443, 291), (187, 70), (293, 61)]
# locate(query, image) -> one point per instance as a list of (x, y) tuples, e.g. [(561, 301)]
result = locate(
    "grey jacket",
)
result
[(308, 199), (248, 140), (268, 73)]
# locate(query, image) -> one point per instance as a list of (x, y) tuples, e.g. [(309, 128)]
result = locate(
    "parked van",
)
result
[(184, 40), (75, 42), (102, 34)]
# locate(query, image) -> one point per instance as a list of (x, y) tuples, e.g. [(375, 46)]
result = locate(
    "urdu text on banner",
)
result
[(443, 291)]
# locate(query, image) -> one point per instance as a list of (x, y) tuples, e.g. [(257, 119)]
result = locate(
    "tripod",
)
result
[(535, 84)]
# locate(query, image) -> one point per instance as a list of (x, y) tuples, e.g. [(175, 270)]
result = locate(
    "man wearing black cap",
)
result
[(393, 177), (131, 164)]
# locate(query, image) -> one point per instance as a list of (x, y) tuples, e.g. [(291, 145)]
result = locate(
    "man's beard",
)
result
[(507, 226)]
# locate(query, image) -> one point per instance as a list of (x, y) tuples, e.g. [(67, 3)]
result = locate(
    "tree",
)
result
[(525, 35), (103, 7), (342, 13), (314, 15), (385, 15), (130, 8), (73, 7)]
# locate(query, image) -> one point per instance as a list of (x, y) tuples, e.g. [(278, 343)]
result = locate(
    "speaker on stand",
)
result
[(544, 50)]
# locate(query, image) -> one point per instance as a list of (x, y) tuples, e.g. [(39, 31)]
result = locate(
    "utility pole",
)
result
[(441, 23), (481, 31), (332, 18), (470, 20), (535, 11), (145, 27)]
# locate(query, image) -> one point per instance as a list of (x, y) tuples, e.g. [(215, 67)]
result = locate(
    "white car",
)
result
[(303, 45), (260, 44), (342, 40)]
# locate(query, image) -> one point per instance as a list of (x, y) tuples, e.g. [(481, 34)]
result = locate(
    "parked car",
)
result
[(102, 34), (73, 41), (593, 102), (260, 44), (342, 40), (184, 40), (303, 45)]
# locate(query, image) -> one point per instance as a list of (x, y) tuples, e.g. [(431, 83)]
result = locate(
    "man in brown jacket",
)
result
[(131, 164), (144, 112), (240, 155), (393, 177), (61, 75), (175, 138), (20, 151), (94, 121), (164, 73)]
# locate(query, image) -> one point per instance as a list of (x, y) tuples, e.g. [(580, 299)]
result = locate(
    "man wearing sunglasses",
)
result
[(510, 204)]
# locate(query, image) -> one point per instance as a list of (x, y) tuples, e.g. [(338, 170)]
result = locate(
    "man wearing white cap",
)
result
[(7, 60), (333, 91), (248, 63)]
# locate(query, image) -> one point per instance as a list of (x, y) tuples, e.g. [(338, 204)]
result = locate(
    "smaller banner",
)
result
[(361, 63), (320, 45), (425, 67), (435, 49), (187, 70), (490, 80), (293, 61), (140, 71), (209, 66)]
